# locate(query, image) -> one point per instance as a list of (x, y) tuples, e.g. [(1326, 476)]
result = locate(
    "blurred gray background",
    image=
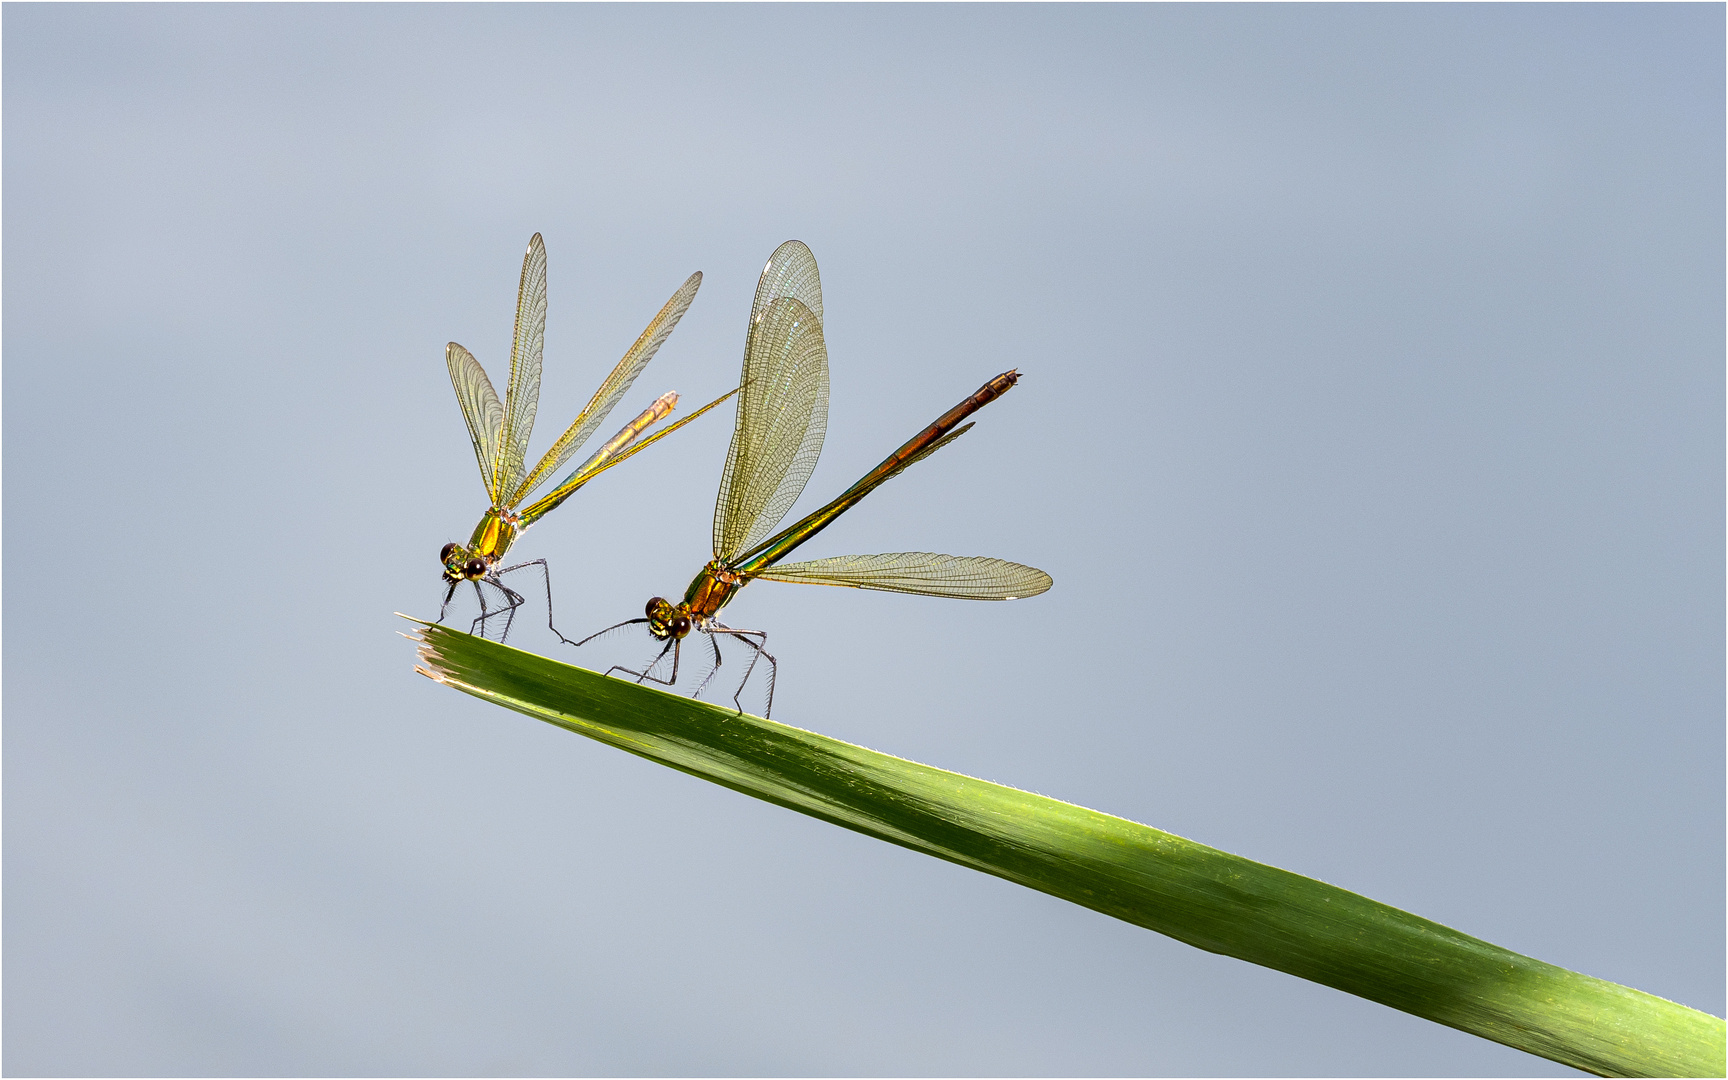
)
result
[(1372, 429)]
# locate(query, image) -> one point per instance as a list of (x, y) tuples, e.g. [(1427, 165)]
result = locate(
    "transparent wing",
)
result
[(609, 450), (620, 448), (961, 577), (782, 418), (791, 271), (628, 434), (523, 396), (749, 481), (615, 386), (480, 408)]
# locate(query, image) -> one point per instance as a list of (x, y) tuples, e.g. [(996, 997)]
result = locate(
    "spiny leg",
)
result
[(677, 653), (512, 601), (516, 600), (646, 673), (608, 630), (546, 575), (760, 654), (480, 595), (713, 671), (444, 608)]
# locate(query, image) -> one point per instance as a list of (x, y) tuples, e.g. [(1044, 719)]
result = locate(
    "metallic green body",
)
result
[(711, 591), (494, 535), (499, 430), (492, 538)]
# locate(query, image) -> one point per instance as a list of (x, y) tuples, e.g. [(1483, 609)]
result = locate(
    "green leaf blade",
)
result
[(1197, 894)]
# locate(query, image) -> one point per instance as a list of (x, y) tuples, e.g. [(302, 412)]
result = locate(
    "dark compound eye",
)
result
[(475, 568), (680, 626), (444, 555), (656, 602)]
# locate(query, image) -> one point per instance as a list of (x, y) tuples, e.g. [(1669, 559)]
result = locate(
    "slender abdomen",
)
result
[(778, 546)]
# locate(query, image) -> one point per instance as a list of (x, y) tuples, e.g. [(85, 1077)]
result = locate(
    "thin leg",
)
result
[(645, 673), (445, 606), (546, 575), (512, 601), (480, 595), (608, 630), (760, 654), (713, 671)]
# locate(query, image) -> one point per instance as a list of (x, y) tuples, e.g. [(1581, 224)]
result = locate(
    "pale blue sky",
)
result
[(1372, 429)]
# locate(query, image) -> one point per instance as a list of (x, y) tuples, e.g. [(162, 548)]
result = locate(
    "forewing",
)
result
[(616, 452), (610, 453), (480, 408), (615, 386), (523, 396), (782, 418), (960, 577), (791, 271)]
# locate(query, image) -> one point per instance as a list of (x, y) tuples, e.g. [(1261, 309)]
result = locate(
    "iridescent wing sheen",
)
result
[(934, 437), (523, 397), (961, 577), (480, 408), (615, 386), (782, 417), (791, 271)]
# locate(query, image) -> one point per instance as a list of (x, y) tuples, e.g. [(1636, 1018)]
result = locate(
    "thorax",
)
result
[(494, 535), (711, 590)]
